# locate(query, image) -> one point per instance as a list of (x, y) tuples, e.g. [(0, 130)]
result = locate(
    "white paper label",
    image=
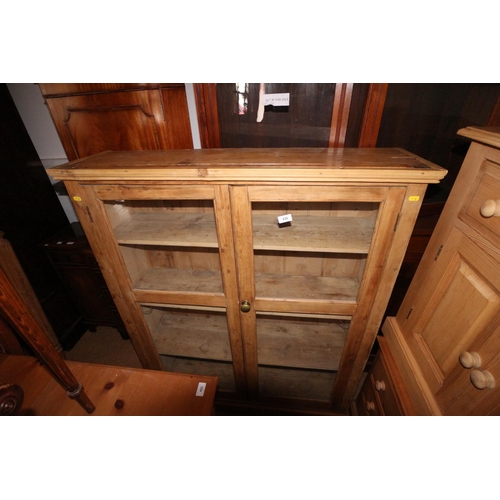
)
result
[(284, 218), (201, 389), (277, 99)]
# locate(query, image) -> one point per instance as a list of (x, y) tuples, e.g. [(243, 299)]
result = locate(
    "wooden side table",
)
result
[(113, 390)]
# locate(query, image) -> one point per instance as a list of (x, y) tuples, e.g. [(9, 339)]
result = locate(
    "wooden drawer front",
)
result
[(382, 383), (367, 403), (483, 203)]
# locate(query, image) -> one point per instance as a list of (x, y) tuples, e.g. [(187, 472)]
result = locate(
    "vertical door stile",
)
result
[(386, 254), (94, 220), (241, 210), (222, 206)]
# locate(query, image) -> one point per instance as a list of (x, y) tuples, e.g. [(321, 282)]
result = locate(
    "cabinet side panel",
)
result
[(92, 215), (397, 218)]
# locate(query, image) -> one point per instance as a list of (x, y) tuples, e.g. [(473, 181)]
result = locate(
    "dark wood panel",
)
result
[(133, 120), (356, 114), (29, 213), (9, 342), (177, 124), (340, 114), (208, 120), (59, 89), (306, 122), (424, 119), (374, 107), (71, 256)]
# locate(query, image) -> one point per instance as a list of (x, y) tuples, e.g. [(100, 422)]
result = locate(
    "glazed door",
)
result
[(307, 256), (174, 244)]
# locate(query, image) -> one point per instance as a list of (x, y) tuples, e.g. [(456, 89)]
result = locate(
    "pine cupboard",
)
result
[(445, 337), (269, 268)]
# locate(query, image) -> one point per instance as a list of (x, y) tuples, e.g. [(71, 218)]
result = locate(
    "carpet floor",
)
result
[(105, 347)]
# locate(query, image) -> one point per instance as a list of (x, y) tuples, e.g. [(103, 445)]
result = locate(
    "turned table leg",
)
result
[(16, 311)]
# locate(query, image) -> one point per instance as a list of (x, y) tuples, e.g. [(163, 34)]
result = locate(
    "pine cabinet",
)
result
[(383, 392), (269, 268), (445, 337)]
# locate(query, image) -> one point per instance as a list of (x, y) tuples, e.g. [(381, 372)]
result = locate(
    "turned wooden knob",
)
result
[(380, 385), (490, 208), (482, 379), (370, 405), (470, 359)]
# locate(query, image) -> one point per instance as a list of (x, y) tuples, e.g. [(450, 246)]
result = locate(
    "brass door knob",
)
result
[(245, 306)]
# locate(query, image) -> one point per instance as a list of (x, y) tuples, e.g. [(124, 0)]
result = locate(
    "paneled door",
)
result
[(91, 117), (449, 330)]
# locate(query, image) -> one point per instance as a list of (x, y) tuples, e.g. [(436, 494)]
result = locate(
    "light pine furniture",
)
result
[(208, 281), (115, 391), (445, 338), (383, 392)]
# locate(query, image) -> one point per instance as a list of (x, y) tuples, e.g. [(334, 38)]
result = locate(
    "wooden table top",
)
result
[(387, 165), (113, 390)]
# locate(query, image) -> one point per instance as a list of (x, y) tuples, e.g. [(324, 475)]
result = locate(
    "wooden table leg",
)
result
[(16, 311)]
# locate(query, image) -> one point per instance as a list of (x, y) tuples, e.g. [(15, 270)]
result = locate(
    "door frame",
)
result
[(209, 125)]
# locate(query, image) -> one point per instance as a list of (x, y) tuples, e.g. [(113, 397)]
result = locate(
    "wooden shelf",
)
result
[(314, 234), (279, 382), (280, 286), (168, 228), (223, 371), (180, 280), (193, 335), (307, 233), (310, 344)]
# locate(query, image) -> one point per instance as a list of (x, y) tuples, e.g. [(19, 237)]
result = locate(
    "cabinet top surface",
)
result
[(486, 135), (387, 165)]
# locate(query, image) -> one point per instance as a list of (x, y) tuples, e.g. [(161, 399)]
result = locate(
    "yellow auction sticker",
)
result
[(77, 198), (414, 198)]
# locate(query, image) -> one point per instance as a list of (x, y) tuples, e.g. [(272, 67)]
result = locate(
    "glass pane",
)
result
[(319, 254), (192, 341), (305, 122), (299, 356), (168, 245)]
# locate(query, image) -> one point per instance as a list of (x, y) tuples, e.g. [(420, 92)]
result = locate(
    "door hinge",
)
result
[(398, 218), (89, 214), (438, 252)]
